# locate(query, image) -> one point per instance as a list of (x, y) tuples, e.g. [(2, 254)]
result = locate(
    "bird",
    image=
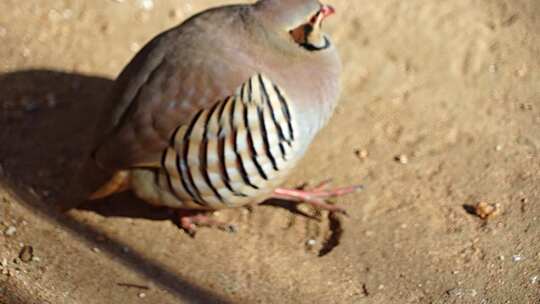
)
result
[(217, 111)]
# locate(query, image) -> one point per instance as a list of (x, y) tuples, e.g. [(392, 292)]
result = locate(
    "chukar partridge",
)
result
[(216, 112)]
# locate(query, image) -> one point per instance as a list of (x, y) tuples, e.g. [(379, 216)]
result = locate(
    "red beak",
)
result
[(327, 10)]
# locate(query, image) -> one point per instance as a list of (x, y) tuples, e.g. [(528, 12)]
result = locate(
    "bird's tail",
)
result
[(119, 182)]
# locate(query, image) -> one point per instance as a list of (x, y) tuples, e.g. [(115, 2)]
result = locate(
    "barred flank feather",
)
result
[(232, 153)]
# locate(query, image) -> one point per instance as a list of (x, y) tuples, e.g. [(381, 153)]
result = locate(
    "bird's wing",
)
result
[(239, 147), (175, 76)]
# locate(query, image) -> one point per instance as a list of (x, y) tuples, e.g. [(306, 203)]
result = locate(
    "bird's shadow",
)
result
[(48, 119), (127, 205), (47, 125)]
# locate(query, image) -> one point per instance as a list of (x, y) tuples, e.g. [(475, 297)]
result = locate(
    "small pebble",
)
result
[(462, 292), (485, 210), (26, 52), (522, 71), (3, 263), (10, 231), (146, 4), (96, 250), (311, 242), (535, 279), (498, 148), (517, 258), (142, 295), (403, 159), (27, 253), (362, 154)]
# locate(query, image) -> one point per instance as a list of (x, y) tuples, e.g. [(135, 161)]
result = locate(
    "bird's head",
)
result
[(300, 21)]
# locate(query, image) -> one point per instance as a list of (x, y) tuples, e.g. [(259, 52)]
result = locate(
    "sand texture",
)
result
[(440, 110)]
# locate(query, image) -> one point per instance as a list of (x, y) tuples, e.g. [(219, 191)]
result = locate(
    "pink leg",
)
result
[(316, 197), (189, 220)]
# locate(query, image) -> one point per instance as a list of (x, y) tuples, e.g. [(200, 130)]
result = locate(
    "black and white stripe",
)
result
[(229, 153)]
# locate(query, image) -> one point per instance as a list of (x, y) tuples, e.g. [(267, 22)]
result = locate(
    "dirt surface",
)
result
[(440, 110)]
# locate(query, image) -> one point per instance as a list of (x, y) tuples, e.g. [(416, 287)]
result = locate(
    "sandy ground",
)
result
[(440, 110)]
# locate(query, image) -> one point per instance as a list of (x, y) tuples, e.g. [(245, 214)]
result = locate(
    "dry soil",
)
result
[(440, 110)]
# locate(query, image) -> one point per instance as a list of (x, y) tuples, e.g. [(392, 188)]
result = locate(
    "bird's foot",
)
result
[(189, 220), (317, 196)]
